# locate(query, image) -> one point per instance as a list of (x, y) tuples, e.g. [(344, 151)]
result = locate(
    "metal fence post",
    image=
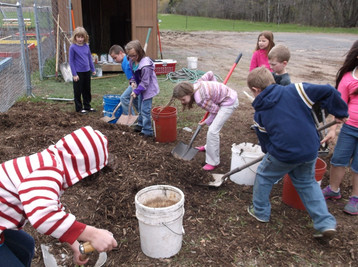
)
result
[(24, 54), (38, 38)]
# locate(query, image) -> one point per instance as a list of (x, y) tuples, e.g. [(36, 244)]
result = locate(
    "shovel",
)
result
[(186, 152), (219, 179), (65, 67), (86, 249), (113, 117), (129, 119)]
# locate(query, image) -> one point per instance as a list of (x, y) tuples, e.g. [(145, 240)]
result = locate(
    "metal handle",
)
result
[(86, 248), (240, 168), (326, 126)]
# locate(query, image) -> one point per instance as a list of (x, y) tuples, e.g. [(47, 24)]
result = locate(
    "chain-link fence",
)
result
[(14, 55), (53, 32), (33, 39)]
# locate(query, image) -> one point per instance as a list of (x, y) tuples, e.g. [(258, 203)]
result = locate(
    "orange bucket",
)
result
[(289, 193), (165, 124)]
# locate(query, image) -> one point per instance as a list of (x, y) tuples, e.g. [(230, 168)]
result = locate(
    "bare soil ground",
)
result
[(218, 229)]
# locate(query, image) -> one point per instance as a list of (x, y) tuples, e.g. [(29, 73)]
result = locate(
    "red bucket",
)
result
[(165, 124), (289, 193)]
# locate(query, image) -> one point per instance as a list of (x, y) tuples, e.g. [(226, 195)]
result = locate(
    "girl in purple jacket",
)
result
[(144, 83), (81, 66)]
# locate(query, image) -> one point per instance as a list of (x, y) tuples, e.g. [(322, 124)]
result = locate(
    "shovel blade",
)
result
[(218, 180), (128, 120), (102, 258), (107, 119), (66, 72), (183, 151)]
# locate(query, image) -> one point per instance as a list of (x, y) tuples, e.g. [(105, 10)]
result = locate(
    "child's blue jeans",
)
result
[(145, 117), (125, 98), (17, 250), (346, 150), (303, 178)]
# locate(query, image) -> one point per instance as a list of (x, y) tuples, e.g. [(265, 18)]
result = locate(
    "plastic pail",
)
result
[(160, 211), (241, 154), (192, 62), (109, 104), (289, 193), (165, 124)]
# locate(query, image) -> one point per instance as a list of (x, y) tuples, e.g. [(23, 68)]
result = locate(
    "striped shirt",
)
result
[(210, 95), (31, 186)]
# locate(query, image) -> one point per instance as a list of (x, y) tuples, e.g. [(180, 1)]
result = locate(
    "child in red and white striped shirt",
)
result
[(30, 191)]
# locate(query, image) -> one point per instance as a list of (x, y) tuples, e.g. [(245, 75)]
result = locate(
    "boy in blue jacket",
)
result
[(288, 136), (119, 56)]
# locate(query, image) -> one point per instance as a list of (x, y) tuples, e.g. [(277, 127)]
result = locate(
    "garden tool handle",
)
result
[(205, 117), (326, 126), (240, 168), (232, 68), (85, 249)]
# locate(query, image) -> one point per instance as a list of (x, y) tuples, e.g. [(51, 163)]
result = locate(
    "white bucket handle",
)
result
[(182, 229), (249, 166)]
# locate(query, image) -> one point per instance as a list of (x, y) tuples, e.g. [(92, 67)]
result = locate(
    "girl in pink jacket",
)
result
[(30, 191), (263, 46), (216, 98)]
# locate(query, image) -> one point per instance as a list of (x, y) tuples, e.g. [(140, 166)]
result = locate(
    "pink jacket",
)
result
[(259, 58), (346, 87), (210, 95), (31, 186)]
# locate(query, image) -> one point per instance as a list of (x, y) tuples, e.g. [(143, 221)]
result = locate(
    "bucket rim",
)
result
[(112, 96), (159, 187), (166, 110)]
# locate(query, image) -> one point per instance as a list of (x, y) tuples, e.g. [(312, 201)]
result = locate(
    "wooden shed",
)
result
[(110, 22)]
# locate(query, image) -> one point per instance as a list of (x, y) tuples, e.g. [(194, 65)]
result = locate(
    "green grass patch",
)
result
[(193, 23)]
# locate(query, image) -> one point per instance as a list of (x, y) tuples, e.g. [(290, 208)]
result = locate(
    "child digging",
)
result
[(216, 98), (288, 136)]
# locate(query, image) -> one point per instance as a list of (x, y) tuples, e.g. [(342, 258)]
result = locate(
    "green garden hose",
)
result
[(186, 74)]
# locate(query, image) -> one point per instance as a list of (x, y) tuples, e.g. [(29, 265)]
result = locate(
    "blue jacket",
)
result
[(284, 122), (126, 68), (145, 78)]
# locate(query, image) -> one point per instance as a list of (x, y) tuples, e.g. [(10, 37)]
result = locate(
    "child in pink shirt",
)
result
[(345, 151), (263, 46), (216, 98)]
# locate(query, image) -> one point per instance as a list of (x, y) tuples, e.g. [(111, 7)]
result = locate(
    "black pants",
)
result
[(82, 90)]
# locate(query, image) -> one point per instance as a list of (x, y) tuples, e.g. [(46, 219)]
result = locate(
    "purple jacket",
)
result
[(145, 78), (81, 59)]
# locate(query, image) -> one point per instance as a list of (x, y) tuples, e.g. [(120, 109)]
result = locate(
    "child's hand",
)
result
[(134, 85), (133, 95), (76, 78), (94, 73), (202, 123)]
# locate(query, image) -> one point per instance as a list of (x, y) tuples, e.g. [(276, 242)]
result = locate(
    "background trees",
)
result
[(322, 13)]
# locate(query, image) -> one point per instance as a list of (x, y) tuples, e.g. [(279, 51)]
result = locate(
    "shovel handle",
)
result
[(232, 68), (86, 248), (326, 126), (240, 168)]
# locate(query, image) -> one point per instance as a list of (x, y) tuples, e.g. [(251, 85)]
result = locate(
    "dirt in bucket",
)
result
[(160, 202)]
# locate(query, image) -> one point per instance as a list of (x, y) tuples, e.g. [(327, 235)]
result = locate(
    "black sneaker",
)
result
[(137, 129), (83, 111), (91, 110)]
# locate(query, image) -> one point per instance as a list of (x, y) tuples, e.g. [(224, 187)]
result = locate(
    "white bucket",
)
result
[(242, 154), (160, 211), (192, 62)]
